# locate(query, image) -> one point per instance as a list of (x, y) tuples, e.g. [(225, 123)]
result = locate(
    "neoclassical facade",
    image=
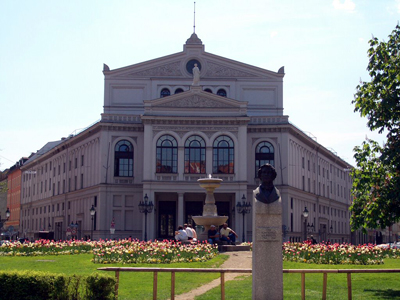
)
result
[(159, 133)]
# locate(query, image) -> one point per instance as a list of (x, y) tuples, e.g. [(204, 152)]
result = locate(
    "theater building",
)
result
[(160, 131)]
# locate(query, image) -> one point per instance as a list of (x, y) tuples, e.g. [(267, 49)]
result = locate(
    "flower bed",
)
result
[(155, 252), (125, 251), (336, 254)]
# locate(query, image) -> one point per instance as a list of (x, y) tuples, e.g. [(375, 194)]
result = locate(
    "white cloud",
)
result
[(347, 5)]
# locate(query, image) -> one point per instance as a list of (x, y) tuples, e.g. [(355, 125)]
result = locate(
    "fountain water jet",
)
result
[(210, 216)]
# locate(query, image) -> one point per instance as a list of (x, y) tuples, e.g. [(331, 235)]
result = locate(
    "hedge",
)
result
[(32, 285)]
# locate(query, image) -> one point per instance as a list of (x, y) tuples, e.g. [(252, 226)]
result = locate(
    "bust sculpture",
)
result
[(267, 192), (196, 75)]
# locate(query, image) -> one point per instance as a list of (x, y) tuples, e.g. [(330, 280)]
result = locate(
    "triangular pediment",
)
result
[(195, 102)]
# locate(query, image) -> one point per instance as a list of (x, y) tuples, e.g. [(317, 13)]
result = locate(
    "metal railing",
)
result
[(223, 271)]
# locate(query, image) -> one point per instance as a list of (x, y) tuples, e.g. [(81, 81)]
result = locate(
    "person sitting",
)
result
[(181, 235), (213, 235), (227, 234), (189, 231), (194, 232)]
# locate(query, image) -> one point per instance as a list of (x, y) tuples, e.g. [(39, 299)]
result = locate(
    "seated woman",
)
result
[(213, 235), (181, 235)]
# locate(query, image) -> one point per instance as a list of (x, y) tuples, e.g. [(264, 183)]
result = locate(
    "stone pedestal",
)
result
[(267, 250)]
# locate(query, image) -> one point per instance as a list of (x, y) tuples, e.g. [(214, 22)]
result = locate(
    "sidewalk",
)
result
[(240, 259)]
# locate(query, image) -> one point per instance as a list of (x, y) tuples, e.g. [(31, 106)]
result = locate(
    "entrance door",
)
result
[(166, 219), (193, 208)]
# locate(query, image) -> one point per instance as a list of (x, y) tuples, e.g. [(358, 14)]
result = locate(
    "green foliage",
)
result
[(376, 180), (34, 285)]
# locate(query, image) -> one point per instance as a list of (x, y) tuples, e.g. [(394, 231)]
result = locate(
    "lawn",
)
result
[(364, 286), (139, 285), (132, 285)]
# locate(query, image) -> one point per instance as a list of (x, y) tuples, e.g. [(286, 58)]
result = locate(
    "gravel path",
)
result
[(237, 260)]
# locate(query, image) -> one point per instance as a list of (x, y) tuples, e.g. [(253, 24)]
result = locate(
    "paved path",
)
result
[(240, 259)]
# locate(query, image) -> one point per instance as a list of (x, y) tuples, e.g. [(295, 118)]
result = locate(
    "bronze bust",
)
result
[(267, 192)]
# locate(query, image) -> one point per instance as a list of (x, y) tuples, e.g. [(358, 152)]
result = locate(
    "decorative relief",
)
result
[(215, 70), (198, 128), (172, 69), (196, 101)]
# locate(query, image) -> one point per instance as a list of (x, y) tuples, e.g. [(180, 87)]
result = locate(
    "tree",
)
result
[(376, 178)]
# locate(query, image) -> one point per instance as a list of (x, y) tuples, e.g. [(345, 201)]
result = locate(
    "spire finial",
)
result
[(194, 17)]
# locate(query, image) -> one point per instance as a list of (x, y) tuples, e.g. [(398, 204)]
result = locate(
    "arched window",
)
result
[(223, 155), (164, 93), (221, 92), (178, 90), (195, 155), (123, 163), (264, 155), (167, 154), (208, 91)]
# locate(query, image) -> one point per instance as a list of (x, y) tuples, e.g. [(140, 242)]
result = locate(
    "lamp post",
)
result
[(112, 227), (243, 208), (92, 213), (8, 214), (145, 207), (305, 215)]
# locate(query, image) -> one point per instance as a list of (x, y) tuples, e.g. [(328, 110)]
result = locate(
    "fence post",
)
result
[(222, 286), (325, 281), (303, 286), (349, 294), (155, 285), (172, 285)]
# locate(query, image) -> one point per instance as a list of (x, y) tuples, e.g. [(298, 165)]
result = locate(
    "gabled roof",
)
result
[(174, 65), (195, 102)]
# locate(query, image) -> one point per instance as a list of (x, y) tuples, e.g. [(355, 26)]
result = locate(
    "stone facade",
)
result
[(158, 134)]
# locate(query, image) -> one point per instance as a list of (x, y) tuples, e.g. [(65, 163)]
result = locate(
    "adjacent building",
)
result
[(162, 130)]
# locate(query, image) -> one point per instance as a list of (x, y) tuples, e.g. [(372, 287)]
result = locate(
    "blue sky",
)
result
[(52, 55)]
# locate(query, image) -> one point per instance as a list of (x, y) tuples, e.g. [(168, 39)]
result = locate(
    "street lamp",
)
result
[(243, 208), (92, 213), (305, 215), (145, 207), (8, 213), (112, 227)]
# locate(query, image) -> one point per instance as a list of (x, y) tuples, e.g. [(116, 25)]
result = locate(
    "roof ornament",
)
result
[(194, 17), (194, 40)]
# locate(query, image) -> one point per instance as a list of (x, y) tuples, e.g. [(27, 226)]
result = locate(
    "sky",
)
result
[(52, 55)]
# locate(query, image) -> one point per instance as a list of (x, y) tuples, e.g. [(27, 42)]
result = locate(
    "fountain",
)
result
[(210, 216)]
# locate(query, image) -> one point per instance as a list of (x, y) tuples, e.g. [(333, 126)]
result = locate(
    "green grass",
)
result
[(132, 285), (140, 285), (364, 286)]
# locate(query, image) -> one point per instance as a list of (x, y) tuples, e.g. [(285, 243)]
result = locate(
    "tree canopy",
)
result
[(376, 178)]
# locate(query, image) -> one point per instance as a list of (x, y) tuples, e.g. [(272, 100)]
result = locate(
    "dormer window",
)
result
[(221, 92), (178, 90), (164, 93)]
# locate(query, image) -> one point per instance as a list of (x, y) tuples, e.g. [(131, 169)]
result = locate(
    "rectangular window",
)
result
[(69, 184), (63, 187), (63, 167), (303, 183), (76, 162), (70, 165), (58, 206), (302, 162), (76, 183), (58, 188), (291, 203), (81, 181), (54, 171), (50, 184), (59, 169), (82, 160), (308, 165)]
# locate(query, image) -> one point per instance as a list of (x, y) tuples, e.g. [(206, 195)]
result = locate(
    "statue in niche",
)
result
[(267, 192), (196, 75)]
